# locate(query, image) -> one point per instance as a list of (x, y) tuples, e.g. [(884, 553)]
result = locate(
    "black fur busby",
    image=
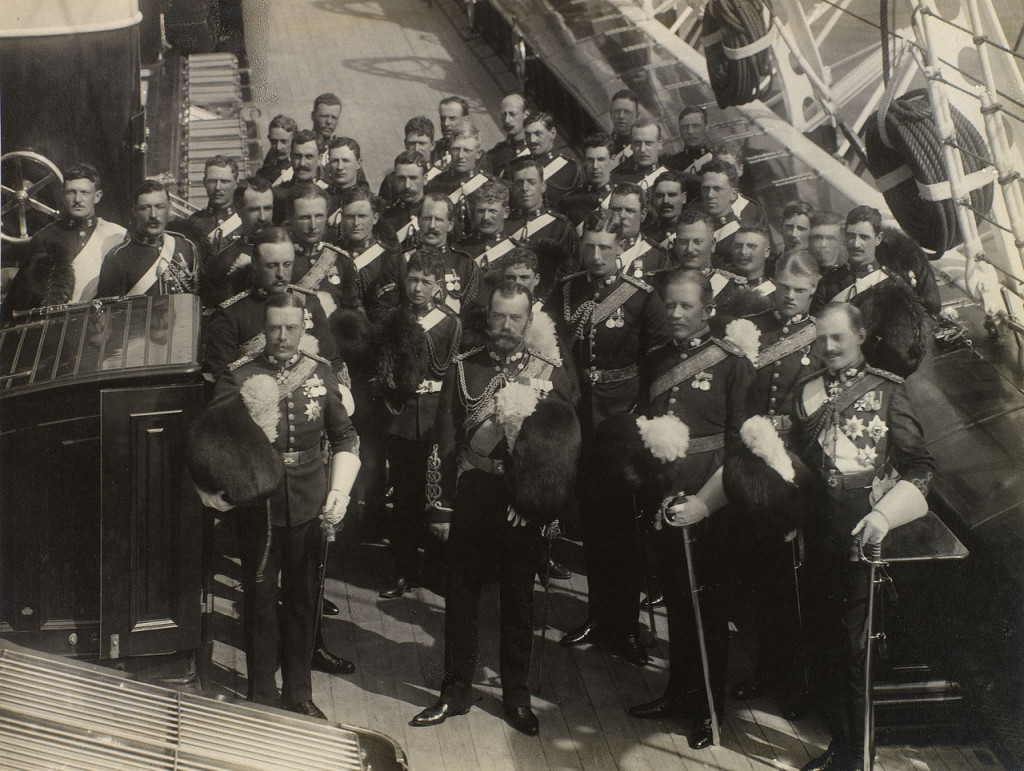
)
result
[(356, 338), (620, 453), (226, 451), (542, 471), (896, 325), (45, 278), (762, 496), (903, 256), (474, 325), (402, 355), (742, 304)]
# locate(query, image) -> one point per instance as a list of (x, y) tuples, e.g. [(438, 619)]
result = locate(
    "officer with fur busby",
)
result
[(506, 443)]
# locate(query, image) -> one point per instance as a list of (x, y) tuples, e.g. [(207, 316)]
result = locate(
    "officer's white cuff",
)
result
[(902, 504)]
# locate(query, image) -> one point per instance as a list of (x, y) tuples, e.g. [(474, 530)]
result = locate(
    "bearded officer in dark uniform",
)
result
[(855, 427), (705, 383), (610, 321), (488, 399), (293, 397)]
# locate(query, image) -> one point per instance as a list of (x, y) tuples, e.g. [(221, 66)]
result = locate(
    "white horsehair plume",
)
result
[(744, 335), (541, 337), (309, 345), (666, 436), (515, 403), (759, 435), (259, 393)]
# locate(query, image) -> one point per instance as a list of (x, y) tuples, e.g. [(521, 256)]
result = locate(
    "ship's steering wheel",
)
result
[(30, 194)]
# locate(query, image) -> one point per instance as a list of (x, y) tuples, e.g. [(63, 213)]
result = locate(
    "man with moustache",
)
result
[(419, 138), (534, 224), (235, 328), (463, 176), (625, 112), (642, 167), (668, 197), (305, 157), (325, 116), (410, 177), (411, 408), (461, 274), (610, 321), (277, 165), (360, 213), (640, 256), (692, 249), (861, 275), (693, 128), (511, 113), (488, 241), (229, 272), (64, 258), (320, 267), (284, 536), (152, 260), (218, 222), (598, 162), (705, 383), (855, 427), (561, 173), (787, 357), (469, 507), (750, 249)]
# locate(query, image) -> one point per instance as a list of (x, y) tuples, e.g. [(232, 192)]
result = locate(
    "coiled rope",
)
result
[(736, 35)]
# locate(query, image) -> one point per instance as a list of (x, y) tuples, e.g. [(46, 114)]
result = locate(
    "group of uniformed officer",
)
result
[(412, 311)]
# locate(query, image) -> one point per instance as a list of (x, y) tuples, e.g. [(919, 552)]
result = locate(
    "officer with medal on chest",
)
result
[(493, 399), (705, 383), (855, 427), (64, 258), (610, 321), (152, 260), (411, 394), (624, 112), (786, 358), (294, 398), (319, 266), (640, 256)]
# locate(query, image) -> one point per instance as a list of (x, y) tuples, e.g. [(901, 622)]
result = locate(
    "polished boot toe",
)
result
[(666, 706), (397, 589), (655, 600), (835, 758), (523, 720), (557, 571), (632, 651), (753, 686), (588, 633), (307, 708), (436, 714), (702, 735), (325, 661), (329, 608)]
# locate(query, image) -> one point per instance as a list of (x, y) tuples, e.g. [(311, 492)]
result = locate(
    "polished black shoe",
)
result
[(307, 708), (654, 601), (523, 720), (590, 632), (666, 706), (558, 572), (397, 589), (329, 608), (836, 758), (631, 650), (753, 686), (436, 714), (325, 661), (702, 735)]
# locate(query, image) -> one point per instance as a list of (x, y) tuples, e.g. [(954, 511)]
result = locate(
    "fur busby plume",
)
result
[(227, 452), (896, 329), (355, 337), (745, 336), (543, 469), (741, 304), (542, 338), (402, 355), (768, 485)]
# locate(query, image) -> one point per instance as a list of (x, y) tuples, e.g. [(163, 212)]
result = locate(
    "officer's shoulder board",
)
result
[(243, 360), (728, 347), (466, 354), (554, 361), (316, 357), (729, 275), (571, 276), (885, 374), (232, 300), (639, 283), (335, 249), (301, 289), (180, 236)]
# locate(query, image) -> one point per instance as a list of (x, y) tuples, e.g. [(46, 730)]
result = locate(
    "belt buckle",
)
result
[(595, 376), (289, 460)]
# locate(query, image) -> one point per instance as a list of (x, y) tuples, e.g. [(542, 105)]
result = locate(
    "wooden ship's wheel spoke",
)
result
[(32, 184)]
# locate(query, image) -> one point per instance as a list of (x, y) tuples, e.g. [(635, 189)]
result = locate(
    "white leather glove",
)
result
[(689, 513), (515, 519)]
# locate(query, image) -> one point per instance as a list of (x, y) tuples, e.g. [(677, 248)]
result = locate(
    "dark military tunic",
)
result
[(787, 357), (275, 170), (465, 483), (581, 202), (167, 264), (630, 171), (328, 271), (461, 279), (368, 259), (850, 283), (487, 251), (282, 535), (500, 156), (218, 226), (706, 383), (642, 258), (401, 219), (565, 175), (229, 272), (689, 159), (554, 239), (660, 232)]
